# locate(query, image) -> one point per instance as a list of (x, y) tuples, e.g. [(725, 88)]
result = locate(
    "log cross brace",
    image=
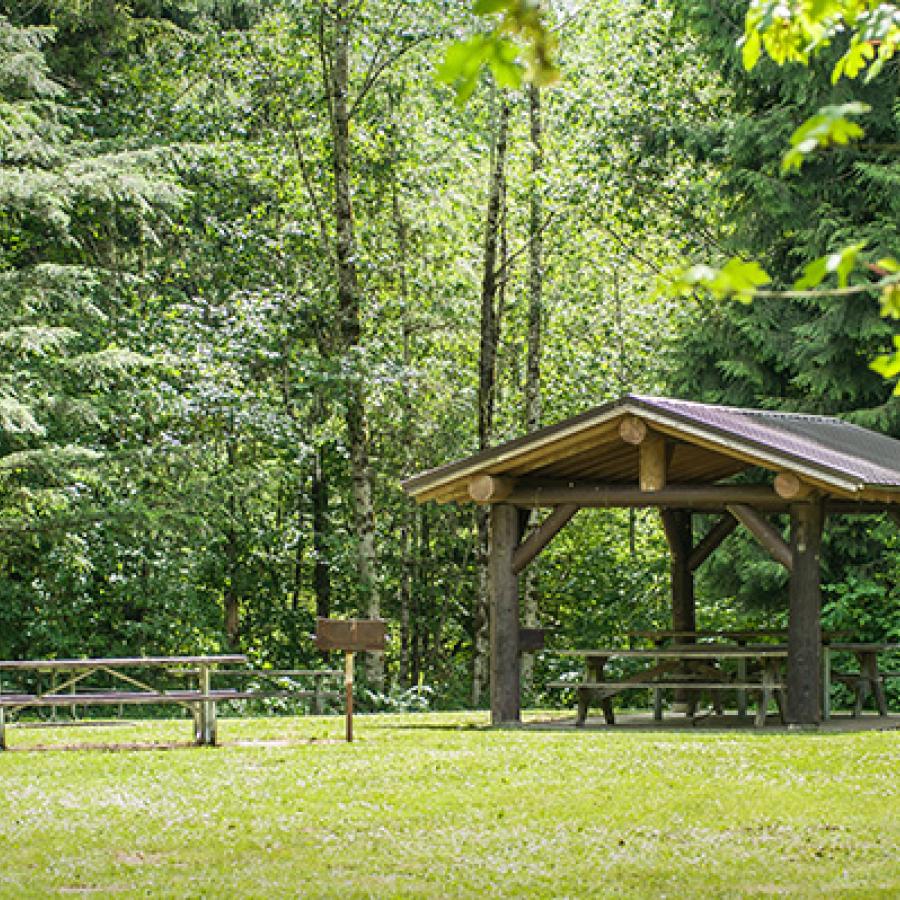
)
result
[(767, 536), (542, 535)]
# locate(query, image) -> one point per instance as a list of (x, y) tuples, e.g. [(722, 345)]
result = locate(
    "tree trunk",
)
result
[(407, 430), (349, 328), (487, 378), (322, 566), (533, 364)]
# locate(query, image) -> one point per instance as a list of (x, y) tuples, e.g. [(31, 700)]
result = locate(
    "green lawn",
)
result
[(437, 806)]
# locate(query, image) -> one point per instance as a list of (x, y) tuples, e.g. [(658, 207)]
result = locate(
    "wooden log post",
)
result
[(652, 452), (679, 534), (504, 613), (678, 526), (804, 665)]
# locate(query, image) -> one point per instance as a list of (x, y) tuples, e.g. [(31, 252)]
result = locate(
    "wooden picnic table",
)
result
[(868, 680), (202, 700), (688, 667)]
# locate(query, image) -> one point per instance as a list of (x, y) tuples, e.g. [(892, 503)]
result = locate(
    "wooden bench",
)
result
[(200, 701), (691, 667)]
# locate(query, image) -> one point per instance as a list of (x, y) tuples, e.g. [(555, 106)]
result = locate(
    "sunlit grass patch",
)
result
[(437, 805)]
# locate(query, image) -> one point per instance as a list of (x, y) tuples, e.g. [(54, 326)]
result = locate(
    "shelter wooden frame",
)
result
[(683, 458)]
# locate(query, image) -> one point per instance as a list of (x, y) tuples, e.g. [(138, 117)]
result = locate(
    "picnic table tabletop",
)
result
[(864, 646), (120, 662), (682, 651)]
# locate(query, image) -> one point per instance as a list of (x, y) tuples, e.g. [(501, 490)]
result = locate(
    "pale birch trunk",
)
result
[(533, 364), (487, 377), (349, 328)]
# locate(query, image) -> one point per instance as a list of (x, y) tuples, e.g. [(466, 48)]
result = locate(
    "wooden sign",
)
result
[(531, 639), (351, 635)]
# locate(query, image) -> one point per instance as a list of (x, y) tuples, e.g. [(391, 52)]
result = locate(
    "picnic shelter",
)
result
[(683, 458)]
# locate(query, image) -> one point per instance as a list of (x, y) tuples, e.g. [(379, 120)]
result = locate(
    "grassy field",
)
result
[(438, 806)]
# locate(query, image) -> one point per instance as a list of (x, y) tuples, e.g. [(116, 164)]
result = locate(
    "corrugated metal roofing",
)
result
[(824, 441), (711, 442)]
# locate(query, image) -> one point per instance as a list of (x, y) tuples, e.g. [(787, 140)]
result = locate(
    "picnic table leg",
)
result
[(868, 665), (2, 728), (594, 670), (742, 677), (826, 683), (657, 692), (768, 678), (862, 685), (204, 723)]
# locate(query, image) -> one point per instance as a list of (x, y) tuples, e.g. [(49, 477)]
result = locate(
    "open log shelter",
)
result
[(683, 458)]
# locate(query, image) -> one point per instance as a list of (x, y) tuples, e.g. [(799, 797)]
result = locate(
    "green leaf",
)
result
[(814, 273), (751, 49), (738, 278), (888, 366), (828, 126), (843, 262), (489, 7)]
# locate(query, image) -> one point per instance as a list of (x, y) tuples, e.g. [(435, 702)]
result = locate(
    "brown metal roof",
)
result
[(710, 443)]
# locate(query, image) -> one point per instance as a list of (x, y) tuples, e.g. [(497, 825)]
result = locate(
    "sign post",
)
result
[(348, 689), (350, 636)]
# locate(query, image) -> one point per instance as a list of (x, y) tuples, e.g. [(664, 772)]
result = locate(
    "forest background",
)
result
[(256, 265)]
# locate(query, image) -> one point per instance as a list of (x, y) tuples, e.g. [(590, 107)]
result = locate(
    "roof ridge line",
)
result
[(780, 413)]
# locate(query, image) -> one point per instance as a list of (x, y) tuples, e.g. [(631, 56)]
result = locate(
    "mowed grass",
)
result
[(439, 806)]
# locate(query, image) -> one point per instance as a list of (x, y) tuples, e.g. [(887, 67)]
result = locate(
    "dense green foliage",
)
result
[(177, 371), (436, 806), (808, 354)]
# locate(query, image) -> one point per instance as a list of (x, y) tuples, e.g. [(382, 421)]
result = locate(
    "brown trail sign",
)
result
[(350, 636)]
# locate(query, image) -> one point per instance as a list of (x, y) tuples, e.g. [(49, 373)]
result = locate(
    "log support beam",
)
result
[(804, 666), (542, 535), (789, 487), (652, 452), (556, 492), (711, 541), (490, 488), (504, 613), (767, 536), (652, 463)]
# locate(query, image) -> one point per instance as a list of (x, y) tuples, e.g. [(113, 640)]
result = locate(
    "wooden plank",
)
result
[(119, 662), (765, 534), (690, 651), (652, 463), (555, 492), (351, 635), (711, 540), (658, 684), (531, 640), (504, 609), (804, 666), (542, 535)]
